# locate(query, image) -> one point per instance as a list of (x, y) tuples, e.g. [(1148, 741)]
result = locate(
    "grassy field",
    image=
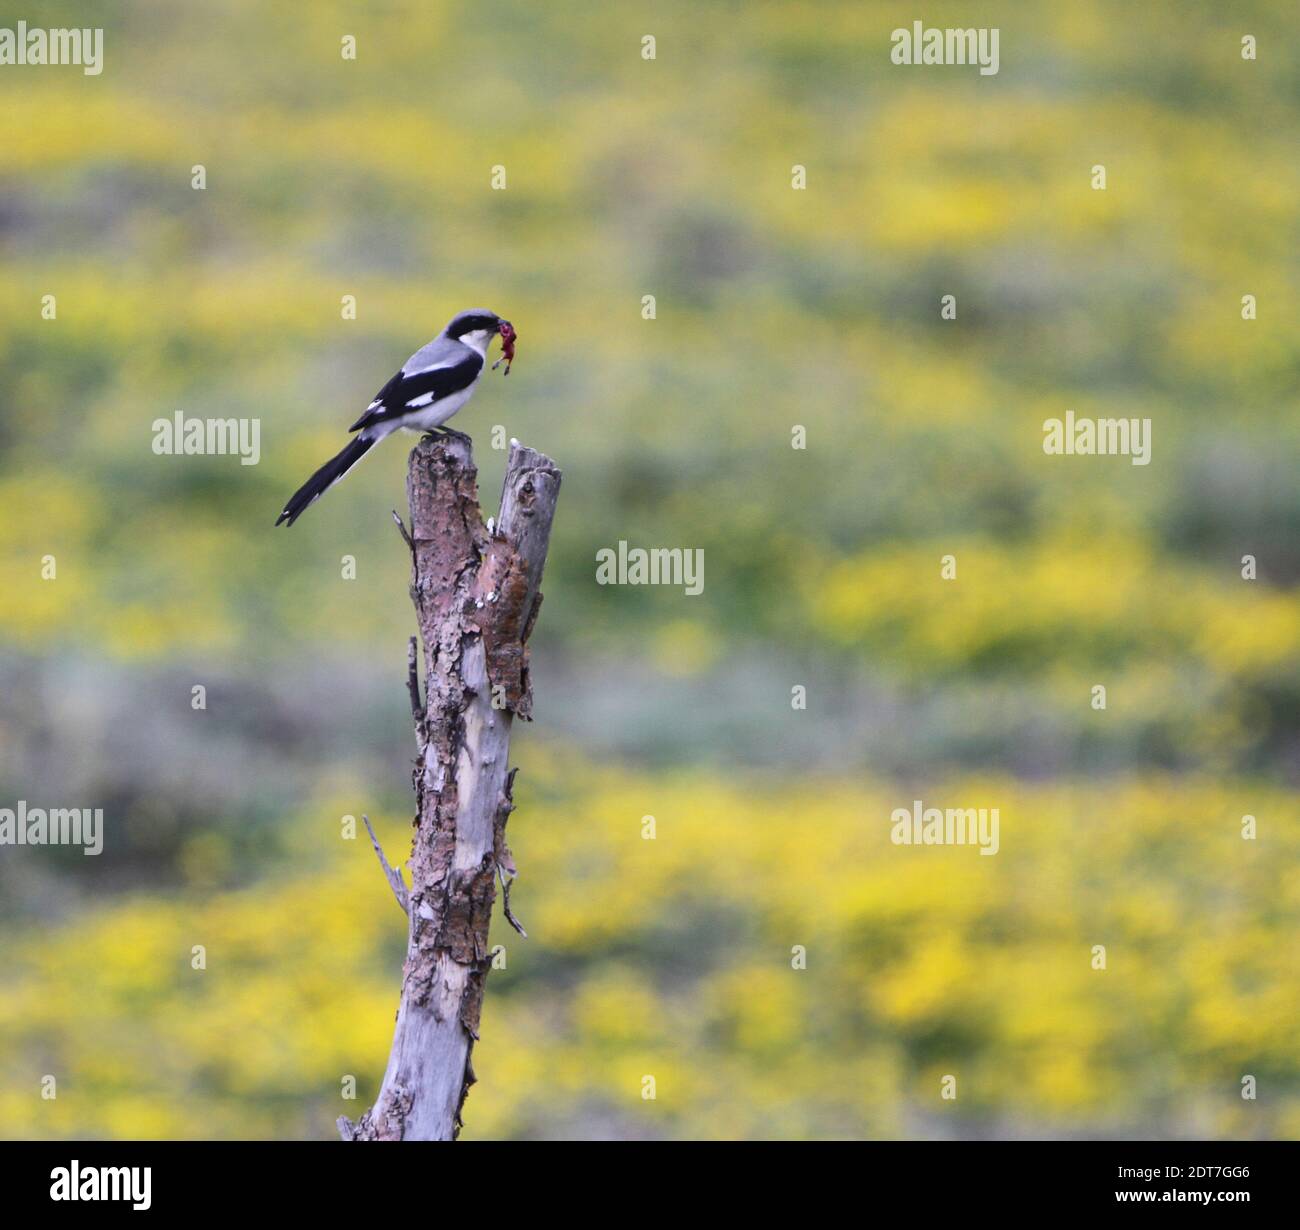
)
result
[(776, 308)]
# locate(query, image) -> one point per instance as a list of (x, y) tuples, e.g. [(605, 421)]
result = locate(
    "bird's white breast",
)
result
[(429, 417)]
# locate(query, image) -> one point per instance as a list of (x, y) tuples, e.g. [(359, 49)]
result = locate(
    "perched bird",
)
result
[(435, 382)]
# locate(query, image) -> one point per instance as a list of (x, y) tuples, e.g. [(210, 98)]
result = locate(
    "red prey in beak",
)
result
[(508, 336)]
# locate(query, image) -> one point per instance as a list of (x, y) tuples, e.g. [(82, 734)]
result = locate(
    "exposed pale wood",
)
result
[(476, 594)]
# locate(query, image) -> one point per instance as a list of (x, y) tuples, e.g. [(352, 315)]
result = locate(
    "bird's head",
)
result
[(477, 327)]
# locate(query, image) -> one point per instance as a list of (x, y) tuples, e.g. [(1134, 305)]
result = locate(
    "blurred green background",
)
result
[(669, 177)]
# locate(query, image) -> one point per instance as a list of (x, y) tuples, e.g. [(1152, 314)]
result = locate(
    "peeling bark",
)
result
[(476, 595)]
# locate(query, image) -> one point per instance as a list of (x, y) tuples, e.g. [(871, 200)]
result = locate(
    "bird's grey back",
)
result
[(441, 352)]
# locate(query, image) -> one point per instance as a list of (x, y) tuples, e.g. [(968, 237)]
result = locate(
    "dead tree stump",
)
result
[(476, 594)]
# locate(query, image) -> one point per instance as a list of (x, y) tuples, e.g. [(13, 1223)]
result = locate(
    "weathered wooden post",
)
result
[(476, 594)]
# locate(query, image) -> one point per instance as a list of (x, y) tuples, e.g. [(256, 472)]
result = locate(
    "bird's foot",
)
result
[(449, 433)]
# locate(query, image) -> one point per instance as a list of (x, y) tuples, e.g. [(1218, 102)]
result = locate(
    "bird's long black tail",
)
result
[(324, 478)]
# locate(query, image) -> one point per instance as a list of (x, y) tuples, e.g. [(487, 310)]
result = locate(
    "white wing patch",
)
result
[(425, 399)]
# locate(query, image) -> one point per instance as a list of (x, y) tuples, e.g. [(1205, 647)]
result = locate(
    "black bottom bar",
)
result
[(336, 1181)]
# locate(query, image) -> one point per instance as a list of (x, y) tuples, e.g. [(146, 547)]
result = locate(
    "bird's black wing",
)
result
[(406, 393)]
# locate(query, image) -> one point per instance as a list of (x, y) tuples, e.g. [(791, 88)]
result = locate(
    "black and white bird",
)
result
[(435, 382)]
